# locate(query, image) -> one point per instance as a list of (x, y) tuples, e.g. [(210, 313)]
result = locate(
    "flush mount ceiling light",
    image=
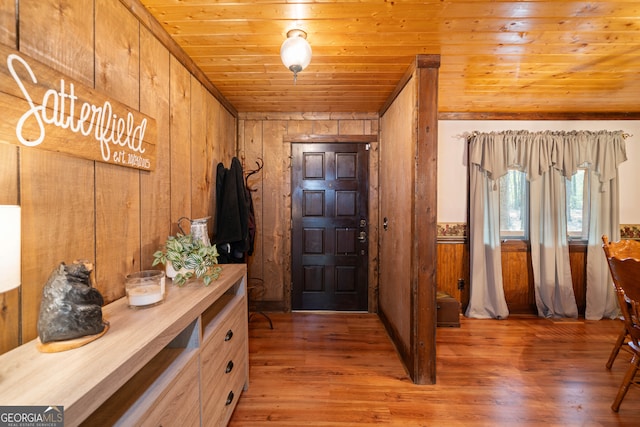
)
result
[(296, 52)]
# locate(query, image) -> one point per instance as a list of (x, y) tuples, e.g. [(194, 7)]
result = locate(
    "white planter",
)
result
[(171, 272)]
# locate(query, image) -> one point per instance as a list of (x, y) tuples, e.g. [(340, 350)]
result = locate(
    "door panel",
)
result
[(330, 220)]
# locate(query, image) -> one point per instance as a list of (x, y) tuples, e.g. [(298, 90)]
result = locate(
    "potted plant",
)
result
[(189, 258)]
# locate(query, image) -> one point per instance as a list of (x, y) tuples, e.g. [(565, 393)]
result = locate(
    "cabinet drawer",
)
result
[(229, 333), (228, 400), (224, 363), (224, 313), (221, 393)]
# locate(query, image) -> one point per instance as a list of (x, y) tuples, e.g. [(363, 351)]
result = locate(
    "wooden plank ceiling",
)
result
[(496, 56)]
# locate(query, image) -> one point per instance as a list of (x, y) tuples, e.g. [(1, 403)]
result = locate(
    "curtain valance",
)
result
[(535, 152)]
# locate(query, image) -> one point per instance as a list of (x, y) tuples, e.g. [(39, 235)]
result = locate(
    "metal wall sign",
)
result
[(44, 109)]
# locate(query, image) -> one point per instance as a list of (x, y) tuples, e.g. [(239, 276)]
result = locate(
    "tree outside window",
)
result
[(514, 205), (578, 205)]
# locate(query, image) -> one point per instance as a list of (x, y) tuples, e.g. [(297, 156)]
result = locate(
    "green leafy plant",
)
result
[(190, 258)]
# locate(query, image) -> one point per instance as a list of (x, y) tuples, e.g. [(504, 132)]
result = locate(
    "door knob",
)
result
[(362, 236)]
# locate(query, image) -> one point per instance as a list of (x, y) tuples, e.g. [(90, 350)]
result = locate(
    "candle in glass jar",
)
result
[(145, 288), (145, 295)]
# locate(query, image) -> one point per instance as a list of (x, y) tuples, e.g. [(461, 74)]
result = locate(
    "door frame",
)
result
[(372, 140)]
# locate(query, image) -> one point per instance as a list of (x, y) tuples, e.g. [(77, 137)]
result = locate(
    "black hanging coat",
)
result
[(232, 213)]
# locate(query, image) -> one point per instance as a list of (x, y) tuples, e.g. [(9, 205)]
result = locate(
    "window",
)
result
[(578, 205), (514, 205)]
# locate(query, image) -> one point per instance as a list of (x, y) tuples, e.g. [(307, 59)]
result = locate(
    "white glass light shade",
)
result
[(9, 247), (296, 52)]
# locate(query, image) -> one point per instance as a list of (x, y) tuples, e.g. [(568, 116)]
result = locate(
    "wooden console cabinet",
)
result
[(184, 362)]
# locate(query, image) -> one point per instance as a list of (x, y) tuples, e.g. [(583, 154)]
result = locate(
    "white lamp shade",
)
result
[(295, 51), (9, 247)]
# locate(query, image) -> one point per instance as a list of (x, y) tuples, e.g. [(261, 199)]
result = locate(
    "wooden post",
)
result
[(425, 223)]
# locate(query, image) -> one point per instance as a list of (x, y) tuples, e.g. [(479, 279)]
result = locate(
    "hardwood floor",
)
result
[(333, 369)]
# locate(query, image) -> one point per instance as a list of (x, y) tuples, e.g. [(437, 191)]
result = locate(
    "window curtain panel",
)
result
[(605, 153), (550, 247), (486, 298), (547, 159)]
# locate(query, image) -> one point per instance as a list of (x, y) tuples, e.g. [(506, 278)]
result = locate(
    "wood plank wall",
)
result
[(397, 175), (74, 208), (268, 136)]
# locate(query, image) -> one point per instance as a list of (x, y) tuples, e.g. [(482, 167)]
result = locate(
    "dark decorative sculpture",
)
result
[(71, 307)]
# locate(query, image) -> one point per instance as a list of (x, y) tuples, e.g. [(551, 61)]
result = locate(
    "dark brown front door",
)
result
[(330, 222)]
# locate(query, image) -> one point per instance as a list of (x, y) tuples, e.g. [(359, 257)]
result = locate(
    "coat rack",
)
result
[(260, 164), (255, 287)]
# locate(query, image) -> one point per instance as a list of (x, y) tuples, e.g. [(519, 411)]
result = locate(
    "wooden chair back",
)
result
[(624, 248), (623, 258)]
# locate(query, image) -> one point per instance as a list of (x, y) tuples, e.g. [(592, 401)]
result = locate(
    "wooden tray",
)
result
[(57, 346)]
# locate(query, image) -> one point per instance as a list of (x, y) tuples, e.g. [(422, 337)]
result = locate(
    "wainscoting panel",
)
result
[(517, 273)]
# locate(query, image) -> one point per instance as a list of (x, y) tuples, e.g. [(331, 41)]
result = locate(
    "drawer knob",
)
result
[(229, 398), (229, 335), (229, 367)]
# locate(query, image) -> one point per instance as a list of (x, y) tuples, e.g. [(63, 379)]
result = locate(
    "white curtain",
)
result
[(605, 154), (550, 246), (486, 299), (547, 158)]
